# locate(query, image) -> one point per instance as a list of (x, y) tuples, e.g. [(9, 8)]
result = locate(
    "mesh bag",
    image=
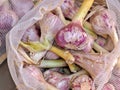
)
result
[(20, 75), (12, 42), (112, 75), (10, 12), (5, 25)]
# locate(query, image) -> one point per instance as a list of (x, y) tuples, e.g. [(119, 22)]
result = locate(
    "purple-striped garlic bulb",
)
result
[(73, 37), (104, 23)]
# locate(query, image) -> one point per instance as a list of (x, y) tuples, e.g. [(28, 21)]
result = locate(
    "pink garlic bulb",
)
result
[(73, 37), (103, 22), (69, 8), (83, 82), (8, 19), (31, 34)]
